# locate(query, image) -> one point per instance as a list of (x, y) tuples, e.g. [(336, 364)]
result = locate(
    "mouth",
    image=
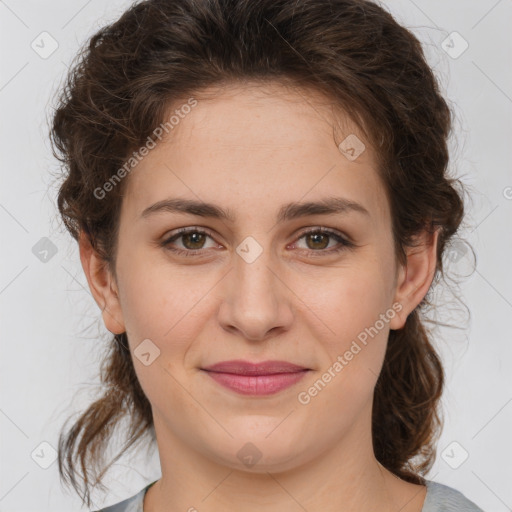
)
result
[(264, 378)]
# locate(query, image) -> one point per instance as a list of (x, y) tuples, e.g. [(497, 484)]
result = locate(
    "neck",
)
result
[(345, 477)]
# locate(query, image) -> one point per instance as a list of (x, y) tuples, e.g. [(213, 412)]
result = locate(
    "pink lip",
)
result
[(263, 378)]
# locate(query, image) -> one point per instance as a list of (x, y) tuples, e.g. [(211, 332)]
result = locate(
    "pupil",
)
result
[(197, 238), (317, 239)]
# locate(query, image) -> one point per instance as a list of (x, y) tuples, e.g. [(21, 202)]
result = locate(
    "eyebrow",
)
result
[(290, 211)]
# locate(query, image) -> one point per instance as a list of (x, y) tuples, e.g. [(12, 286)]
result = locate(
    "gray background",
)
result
[(52, 334)]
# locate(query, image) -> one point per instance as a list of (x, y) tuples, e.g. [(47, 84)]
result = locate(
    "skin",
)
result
[(252, 153)]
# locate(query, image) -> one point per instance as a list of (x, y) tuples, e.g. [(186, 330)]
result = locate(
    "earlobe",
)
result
[(102, 285), (415, 278)]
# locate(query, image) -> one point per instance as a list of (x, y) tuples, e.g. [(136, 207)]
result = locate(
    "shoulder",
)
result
[(441, 498), (132, 504)]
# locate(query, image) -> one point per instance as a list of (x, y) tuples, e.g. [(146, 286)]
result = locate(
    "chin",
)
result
[(258, 452)]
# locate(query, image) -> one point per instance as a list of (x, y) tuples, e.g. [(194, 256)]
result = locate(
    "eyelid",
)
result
[(324, 230), (344, 241), (175, 234)]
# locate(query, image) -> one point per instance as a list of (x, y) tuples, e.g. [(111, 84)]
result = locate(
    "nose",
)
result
[(256, 301)]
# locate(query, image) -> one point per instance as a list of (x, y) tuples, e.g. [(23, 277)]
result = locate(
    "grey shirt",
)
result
[(439, 498)]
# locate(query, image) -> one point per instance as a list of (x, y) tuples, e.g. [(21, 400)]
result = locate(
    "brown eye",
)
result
[(193, 240), (188, 242), (318, 240), (322, 241)]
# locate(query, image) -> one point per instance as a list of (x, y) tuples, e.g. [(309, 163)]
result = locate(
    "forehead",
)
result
[(266, 115), (253, 145)]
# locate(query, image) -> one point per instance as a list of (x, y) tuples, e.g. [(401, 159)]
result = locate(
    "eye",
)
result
[(192, 240), (318, 241)]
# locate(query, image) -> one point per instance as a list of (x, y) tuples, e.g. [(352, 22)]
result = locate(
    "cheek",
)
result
[(159, 302), (348, 301), (166, 306), (355, 309)]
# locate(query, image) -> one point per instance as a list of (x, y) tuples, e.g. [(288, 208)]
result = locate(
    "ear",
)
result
[(414, 279), (102, 285)]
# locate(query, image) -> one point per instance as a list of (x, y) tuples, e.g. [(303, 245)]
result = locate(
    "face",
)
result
[(316, 288)]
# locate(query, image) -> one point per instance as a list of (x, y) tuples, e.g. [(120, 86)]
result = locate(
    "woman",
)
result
[(260, 197)]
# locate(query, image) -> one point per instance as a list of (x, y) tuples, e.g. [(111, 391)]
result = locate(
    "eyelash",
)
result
[(344, 243)]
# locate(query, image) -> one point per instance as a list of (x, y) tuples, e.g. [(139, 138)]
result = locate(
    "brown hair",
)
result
[(352, 51)]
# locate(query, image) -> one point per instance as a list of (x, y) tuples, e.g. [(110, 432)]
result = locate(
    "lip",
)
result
[(241, 367), (263, 378)]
